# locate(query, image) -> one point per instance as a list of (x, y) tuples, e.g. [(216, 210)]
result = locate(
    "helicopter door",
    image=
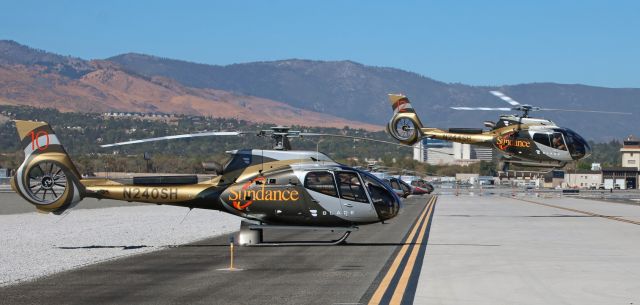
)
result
[(322, 188), (354, 200)]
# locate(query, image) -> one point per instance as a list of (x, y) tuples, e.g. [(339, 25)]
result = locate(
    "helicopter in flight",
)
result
[(518, 138), (277, 188)]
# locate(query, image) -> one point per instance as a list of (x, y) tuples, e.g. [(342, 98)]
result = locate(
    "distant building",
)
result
[(461, 151), (420, 151), (481, 153), (438, 152), (631, 152), (584, 179), (622, 177)]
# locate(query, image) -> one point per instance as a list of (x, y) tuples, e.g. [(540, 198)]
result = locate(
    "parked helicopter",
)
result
[(268, 188), (519, 139), (400, 182)]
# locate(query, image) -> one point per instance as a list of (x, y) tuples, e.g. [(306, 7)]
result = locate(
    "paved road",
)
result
[(272, 275)]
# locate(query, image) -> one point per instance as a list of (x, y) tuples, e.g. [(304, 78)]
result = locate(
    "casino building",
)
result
[(439, 152)]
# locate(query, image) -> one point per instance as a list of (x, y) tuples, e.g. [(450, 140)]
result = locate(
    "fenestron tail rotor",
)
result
[(47, 182), (525, 108)]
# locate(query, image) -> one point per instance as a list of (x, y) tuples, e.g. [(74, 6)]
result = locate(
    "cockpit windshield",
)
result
[(566, 140), (384, 199), (554, 140), (578, 146)]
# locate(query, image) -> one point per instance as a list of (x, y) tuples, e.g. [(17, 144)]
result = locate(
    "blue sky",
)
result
[(472, 42)]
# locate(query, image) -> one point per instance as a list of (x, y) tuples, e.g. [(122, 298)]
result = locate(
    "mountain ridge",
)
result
[(356, 92)]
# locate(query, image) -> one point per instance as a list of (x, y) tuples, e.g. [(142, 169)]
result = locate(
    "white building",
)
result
[(420, 151), (631, 152), (481, 153), (583, 180), (438, 152)]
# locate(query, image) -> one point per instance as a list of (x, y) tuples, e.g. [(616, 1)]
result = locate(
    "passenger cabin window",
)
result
[(350, 187), (557, 141), (542, 138), (321, 182)]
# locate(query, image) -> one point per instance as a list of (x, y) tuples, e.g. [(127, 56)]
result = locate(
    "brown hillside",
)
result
[(107, 88)]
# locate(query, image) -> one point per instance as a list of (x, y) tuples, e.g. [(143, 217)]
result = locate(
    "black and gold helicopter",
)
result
[(268, 188), (519, 139)]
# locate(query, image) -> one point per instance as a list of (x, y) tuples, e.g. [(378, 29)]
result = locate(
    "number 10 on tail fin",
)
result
[(46, 178)]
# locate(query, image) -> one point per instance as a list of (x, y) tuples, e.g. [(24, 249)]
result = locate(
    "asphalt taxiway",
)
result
[(190, 274), (466, 249)]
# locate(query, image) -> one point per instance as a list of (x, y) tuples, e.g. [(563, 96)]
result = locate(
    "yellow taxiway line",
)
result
[(406, 272)]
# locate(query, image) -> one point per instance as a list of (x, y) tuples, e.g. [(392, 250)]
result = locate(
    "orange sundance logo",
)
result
[(244, 197), (507, 141)]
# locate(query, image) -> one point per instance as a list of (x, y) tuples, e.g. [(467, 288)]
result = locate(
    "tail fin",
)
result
[(46, 178), (404, 126)]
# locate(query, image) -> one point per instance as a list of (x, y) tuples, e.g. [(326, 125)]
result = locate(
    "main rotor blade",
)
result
[(362, 138), (505, 98), (589, 111), (482, 108), (180, 136)]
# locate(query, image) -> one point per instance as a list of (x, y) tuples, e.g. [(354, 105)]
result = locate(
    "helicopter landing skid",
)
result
[(252, 235)]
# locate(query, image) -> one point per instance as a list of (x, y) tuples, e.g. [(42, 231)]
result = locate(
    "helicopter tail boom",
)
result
[(406, 127)]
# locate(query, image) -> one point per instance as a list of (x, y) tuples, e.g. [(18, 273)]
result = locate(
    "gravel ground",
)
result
[(33, 245)]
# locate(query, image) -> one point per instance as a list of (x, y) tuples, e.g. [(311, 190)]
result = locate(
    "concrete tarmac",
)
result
[(530, 250), (467, 249)]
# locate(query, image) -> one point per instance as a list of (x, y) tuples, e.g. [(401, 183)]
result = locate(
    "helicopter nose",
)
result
[(581, 150), (392, 207)]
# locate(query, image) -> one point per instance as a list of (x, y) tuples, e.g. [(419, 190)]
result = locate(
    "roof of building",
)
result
[(631, 141), (619, 169), (583, 171)]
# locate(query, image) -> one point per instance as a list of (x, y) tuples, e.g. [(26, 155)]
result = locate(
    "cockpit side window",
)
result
[(377, 191), (557, 141), (321, 182), (542, 138), (395, 185), (350, 187)]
